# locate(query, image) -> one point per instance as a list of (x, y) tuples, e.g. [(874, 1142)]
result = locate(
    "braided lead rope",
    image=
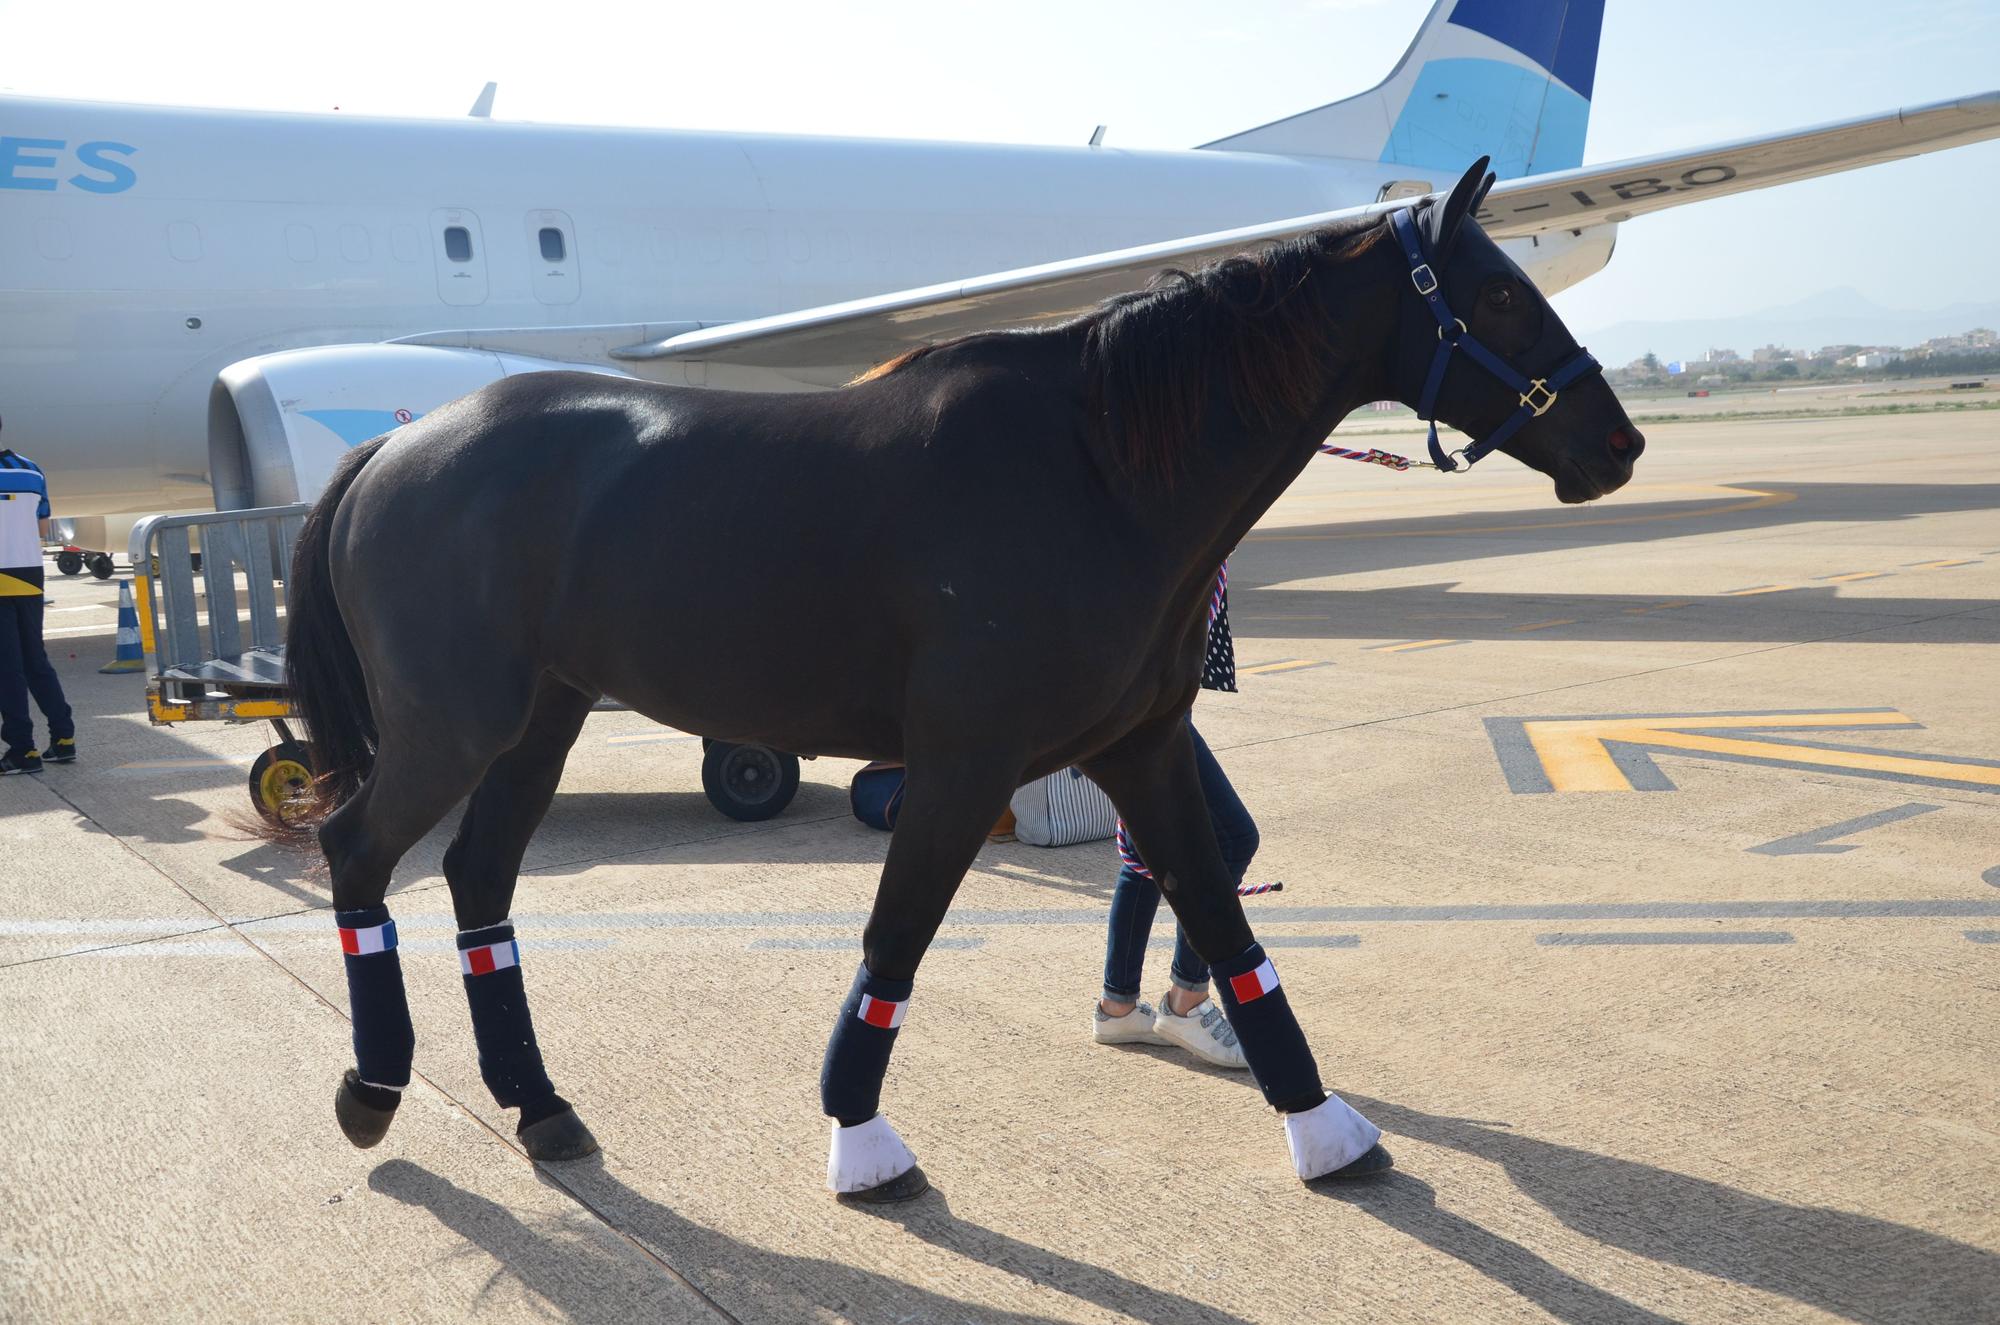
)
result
[(1371, 456), (1129, 858)]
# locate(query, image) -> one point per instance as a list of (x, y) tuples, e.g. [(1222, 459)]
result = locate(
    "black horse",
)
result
[(989, 559)]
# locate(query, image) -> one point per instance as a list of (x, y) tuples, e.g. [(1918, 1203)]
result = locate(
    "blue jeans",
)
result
[(25, 670), (1137, 897)]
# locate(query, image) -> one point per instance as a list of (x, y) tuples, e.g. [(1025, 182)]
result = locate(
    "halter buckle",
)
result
[(1462, 331), (1423, 278), (1540, 407)]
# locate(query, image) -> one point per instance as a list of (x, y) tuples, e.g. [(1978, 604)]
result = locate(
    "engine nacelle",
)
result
[(278, 422)]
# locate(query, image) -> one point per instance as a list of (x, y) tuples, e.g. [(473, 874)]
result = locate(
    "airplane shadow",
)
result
[(1848, 1265), (1795, 616), (754, 1283), (1346, 547)]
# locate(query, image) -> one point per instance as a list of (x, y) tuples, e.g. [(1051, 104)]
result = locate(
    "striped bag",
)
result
[(1062, 809)]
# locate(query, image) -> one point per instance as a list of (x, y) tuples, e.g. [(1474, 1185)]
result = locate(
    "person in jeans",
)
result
[(24, 663), (1186, 1017)]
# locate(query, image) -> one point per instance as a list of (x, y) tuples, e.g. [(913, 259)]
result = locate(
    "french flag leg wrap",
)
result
[(857, 1057), (384, 1041), (509, 1059), (1270, 1034)]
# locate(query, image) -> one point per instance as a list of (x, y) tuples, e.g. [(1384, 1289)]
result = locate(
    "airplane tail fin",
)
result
[(1509, 79)]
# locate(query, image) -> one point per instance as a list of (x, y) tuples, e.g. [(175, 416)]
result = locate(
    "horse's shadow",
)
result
[(752, 1282), (1848, 1265)]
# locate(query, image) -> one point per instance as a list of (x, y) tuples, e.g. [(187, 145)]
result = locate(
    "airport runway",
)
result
[(1642, 869)]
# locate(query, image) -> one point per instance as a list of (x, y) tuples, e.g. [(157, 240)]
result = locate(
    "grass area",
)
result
[(1842, 412), (1409, 427)]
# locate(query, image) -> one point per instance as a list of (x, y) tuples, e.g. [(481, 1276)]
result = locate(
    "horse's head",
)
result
[(1481, 350)]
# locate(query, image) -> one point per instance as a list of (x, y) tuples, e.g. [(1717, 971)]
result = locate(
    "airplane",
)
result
[(205, 307)]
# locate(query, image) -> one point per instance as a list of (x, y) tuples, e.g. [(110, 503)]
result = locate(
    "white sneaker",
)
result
[(1135, 1027), (1203, 1032)]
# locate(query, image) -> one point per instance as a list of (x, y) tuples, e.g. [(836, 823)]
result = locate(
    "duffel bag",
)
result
[(876, 794), (1061, 809)]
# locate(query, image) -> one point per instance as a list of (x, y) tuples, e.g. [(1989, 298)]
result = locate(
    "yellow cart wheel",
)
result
[(280, 779)]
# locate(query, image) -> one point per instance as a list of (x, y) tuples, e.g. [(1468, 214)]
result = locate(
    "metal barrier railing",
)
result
[(190, 660)]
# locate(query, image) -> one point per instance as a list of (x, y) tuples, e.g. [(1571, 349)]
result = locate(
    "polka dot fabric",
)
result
[(1218, 665)]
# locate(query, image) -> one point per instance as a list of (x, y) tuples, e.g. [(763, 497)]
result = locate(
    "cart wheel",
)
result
[(279, 778), (749, 782), (100, 565), (70, 563)]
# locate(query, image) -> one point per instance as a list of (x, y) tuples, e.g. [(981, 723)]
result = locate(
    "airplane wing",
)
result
[(867, 331)]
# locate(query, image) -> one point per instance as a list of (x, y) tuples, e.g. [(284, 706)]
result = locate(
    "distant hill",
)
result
[(1832, 317)]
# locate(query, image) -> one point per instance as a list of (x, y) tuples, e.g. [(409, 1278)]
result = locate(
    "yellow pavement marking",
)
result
[(1766, 497), (1547, 625), (1408, 646), (1659, 607), (1575, 755), (1941, 565), (1853, 575), (1289, 665), (1757, 589)]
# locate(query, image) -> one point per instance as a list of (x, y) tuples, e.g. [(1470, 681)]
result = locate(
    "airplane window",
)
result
[(458, 243), (552, 244)]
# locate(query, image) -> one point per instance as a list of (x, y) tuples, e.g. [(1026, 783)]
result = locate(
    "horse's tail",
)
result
[(321, 667)]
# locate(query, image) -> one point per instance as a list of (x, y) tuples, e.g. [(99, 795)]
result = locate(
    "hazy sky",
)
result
[(1165, 73)]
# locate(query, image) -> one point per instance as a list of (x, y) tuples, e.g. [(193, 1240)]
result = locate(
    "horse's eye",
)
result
[(1500, 297)]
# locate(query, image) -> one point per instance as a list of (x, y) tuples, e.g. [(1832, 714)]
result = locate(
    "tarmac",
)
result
[(1642, 881)]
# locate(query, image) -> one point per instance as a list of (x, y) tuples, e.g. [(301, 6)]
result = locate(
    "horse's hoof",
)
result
[(905, 1186), (558, 1137), (1374, 1160), (363, 1123)]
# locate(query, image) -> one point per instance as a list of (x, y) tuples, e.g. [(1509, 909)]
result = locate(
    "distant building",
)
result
[(1772, 354), (1675, 368), (1979, 338), (1877, 358)]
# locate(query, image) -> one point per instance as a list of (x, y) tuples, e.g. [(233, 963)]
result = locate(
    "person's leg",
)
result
[(1134, 902), (41, 676), (17, 724)]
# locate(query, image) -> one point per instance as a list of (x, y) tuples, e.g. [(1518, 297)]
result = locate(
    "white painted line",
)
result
[(233, 947), (24, 928), (152, 765)]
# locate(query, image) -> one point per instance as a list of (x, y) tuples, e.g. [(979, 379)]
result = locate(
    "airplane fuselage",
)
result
[(142, 249)]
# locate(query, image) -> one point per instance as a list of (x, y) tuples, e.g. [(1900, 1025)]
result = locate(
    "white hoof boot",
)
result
[(1329, 1137), (866, 1156)]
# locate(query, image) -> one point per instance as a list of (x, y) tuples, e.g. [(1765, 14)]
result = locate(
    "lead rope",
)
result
[(1371, 456)]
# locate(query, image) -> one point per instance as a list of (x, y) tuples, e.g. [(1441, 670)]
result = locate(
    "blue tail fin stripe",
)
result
[(1559, 35)]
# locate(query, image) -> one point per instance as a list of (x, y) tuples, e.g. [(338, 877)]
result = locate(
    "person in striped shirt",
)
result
[(1186, 1017), (24, 663)]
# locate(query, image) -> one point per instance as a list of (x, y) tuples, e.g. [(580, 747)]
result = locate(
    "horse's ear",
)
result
[(1445, 219)]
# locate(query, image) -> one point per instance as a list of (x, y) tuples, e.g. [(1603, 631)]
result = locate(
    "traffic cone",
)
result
[(130, 657)]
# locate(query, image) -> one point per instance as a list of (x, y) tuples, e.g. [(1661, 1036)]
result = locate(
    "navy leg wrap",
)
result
[(509, 1058), (1271, 1037), (857, 1057), (384, 1041)]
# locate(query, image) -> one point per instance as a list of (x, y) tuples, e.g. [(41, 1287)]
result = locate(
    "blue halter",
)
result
[(1537, 394)]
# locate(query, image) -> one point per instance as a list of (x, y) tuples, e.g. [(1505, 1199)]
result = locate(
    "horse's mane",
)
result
[(1256, 324)]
